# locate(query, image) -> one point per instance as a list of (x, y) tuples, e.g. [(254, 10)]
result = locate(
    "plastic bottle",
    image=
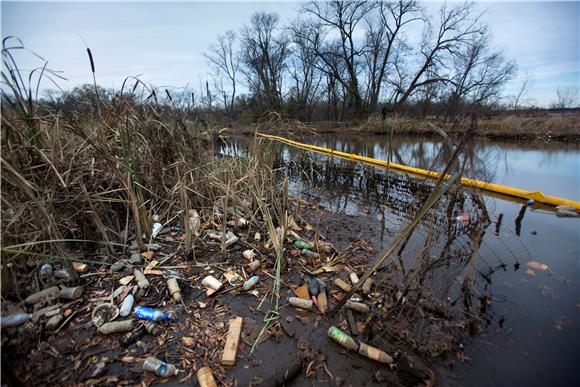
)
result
[(159, 367), (357, 306), (146, 313), (342, 338), (153, 328), (300, 303), (253, 266), (71, 293), (14, 320), (62, 274), (205, 377), (310, 254), (249, 284), (142, 281), (127, 305), (45, 271), (211, 282), (343, 285), (232, 240), (174, 289), (131, 337), (374, 353), (49, 293), (366, 287), (116, 327), (303, 245), (353, 278), (322, 300)]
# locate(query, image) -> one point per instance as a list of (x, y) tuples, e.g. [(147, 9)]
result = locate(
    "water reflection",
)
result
[(449, 280)]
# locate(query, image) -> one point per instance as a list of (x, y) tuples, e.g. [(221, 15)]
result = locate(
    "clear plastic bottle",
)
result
[(159, 367), (14, 320)]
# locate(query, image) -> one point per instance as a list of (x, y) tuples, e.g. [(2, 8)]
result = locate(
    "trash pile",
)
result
[(159, 313)]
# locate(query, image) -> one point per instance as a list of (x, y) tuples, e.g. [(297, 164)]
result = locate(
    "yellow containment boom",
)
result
[(538, 197)]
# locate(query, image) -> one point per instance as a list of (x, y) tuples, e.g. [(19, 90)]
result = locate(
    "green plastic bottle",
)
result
[(303, 245), (342, 338)]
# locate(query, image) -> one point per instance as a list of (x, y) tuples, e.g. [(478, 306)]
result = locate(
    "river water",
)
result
[(531, 330)]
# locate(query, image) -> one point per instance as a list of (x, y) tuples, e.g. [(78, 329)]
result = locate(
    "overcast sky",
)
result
[(165, 42)]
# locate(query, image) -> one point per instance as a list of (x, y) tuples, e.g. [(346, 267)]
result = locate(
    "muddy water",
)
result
[(530, 331)]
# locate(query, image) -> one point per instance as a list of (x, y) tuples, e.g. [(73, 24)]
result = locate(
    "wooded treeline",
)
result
[(343, 60)]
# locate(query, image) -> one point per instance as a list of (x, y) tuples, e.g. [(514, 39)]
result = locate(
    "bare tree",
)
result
[(341, 56), (226, 62), (264, 53), (383, 29), (525, 86), (567, 97), (305, 76), (457, 25), (479, 73)]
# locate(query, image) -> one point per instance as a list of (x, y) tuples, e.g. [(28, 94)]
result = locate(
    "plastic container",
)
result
[(116, 327), (309, 254), (153, 328), (159, 367), (174, 289), (146, 313), (353, 278), (14, 320), (211, 282), (342, 338), (142, 281), (50, 293), (366, 287), (357, 306), (374, 354), (303, 245), (232, 240), (71, 293), (45, 271), (127, 306), (249, 284), (342, 285), (300, 303), (205, 377), (253, 266)]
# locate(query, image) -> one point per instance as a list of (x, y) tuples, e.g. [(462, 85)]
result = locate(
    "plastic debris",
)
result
[(374, 353), (232, 341), (342, 338), (142, 281), (49, 294), (45, 271), (103, 313), (126, 280), (211, 284), (205, 377), (249, 254), (300, 303), (357, 306), (537, 265), (14, 320), (62, 274), (567, 212), (116, 327), (159, 367), (253, 266), (366, 287), (232, 240), (153, 328), (342, 285), (303, 245), (310, 254), (80, 267), (257, 237), (146, 313), (156, 229), (71, 293), (127, 306), (54, 322), (322, 303), (250, 283), (302, 292), (353, 278), (174, 289), (462, 218)]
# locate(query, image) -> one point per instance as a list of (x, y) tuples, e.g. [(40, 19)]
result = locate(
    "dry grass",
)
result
[(74, 185)]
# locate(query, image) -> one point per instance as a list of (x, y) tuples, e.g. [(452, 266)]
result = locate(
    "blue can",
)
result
[(146, 313)]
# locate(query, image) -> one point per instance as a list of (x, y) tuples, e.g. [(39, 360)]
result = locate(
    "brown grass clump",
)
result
[(76, 185)]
